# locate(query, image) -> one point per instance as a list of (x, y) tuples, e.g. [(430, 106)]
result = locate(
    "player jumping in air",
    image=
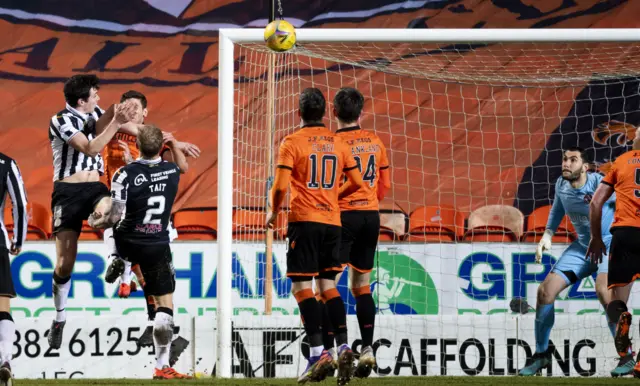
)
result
[(360, 220), (573, 192), (144, 191), (313, 159), (10, 184), (121, 151), (77, 135), (624, 253)]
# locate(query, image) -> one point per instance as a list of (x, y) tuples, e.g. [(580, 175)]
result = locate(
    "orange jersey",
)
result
[(317, 158), (114, 155), (624, 177), (371, 156)]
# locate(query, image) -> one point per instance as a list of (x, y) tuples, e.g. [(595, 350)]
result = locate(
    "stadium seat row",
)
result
[(492, 223)]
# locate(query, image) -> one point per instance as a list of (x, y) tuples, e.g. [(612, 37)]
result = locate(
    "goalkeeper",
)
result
[(572, 197)]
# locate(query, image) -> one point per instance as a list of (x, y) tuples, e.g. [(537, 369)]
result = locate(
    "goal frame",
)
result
[(227, 40)]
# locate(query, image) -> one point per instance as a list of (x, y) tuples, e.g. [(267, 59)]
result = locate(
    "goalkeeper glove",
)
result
[(543, 245)]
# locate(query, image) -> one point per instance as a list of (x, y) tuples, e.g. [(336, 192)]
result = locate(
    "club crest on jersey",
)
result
[(587, 198), (140, 179)]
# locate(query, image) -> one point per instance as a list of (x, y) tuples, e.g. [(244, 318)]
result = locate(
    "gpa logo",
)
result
[(140, 179), (587, 198)]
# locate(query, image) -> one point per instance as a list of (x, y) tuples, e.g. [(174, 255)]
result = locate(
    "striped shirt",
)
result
[(11, 183), (65, 125)]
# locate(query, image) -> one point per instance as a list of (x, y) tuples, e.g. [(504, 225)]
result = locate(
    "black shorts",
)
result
[(360, 231), (155, 264), (624, 262), (6, 282), (71, 203), (312, 249)]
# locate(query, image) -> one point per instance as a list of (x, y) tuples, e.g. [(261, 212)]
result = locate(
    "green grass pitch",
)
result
[(388, 381)]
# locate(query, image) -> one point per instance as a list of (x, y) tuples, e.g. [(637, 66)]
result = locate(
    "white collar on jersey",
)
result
[(78, 113), (149, 161)]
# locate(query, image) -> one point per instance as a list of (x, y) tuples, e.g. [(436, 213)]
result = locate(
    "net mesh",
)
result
[(474, 135)]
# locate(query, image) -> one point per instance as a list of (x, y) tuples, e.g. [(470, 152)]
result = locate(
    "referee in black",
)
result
[(11, 184)]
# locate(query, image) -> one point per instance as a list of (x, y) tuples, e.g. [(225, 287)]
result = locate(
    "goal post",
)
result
[(246, 150)]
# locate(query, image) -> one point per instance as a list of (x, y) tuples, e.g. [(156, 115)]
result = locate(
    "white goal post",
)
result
[(228, 38)]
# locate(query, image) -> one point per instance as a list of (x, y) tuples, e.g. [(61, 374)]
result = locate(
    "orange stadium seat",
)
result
[(537, 223), (196, 224), (88, 233), (394, 221), (495, 223), (38, 221), (249, 224), (435, 223), (393, 224)]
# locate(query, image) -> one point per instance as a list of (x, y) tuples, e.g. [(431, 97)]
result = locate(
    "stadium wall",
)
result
[(451, 306)]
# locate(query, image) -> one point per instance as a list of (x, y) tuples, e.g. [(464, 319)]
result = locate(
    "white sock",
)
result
[(162, 337), (109, 241), (60, 296), (7, 336), (316, 351), (126, 274)]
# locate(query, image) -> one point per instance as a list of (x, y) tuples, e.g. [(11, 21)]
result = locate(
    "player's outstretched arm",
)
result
[(557, 212), (188, 149), (555, 217), (105, 119), (178, 156), (80, 142)]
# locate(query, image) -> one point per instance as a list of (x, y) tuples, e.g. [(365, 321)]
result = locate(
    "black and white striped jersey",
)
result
[(11, 184), (64, 126)]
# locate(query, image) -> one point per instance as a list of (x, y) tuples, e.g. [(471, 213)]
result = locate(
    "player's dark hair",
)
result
[(149, 141), (312, 105), (79, 87), (583, 153), (133, 94), (348, 104)]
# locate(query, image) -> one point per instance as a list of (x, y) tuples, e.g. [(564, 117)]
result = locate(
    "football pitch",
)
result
[(405, 381)]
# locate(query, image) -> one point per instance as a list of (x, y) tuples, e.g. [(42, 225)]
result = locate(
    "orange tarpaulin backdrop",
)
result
[(475, 163)]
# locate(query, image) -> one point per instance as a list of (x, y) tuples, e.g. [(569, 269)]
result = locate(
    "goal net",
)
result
[(474, 133)]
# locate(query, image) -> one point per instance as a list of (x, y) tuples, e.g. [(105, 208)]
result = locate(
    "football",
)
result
[(280, 35)]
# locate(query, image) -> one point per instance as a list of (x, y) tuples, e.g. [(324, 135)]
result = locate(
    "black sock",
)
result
[(337, 314), (60, 280), (151, 306), (615, 309), (311, 316), (366, 312), (327, 328)]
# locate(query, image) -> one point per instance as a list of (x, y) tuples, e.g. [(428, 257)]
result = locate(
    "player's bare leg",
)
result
[(162, 337), (552, 285), (66, 252), (366, 313), (7, 335)]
